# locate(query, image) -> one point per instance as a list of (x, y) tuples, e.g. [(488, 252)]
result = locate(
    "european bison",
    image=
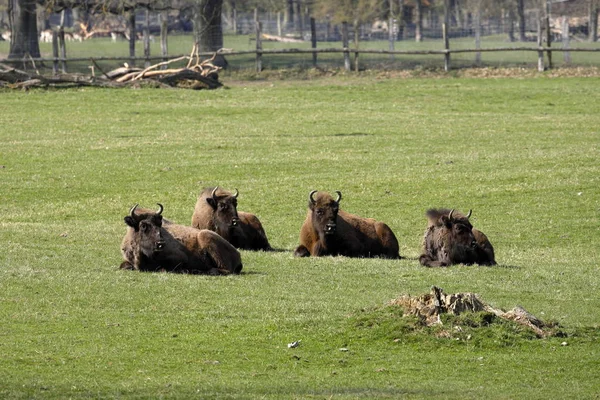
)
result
[(156, 244), (328, 230), (451, 239), (216, 210)]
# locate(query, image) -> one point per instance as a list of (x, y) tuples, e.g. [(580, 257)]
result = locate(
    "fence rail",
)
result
[(344, 51)]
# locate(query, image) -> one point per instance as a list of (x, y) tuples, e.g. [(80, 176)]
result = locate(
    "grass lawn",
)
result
[(521, 152)]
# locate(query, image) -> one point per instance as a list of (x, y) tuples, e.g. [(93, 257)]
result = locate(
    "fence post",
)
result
[(540, 43), (132, 35), (146, 35), (565, 39), (345, 46), (445, 27), (258, 27), (446, 47), (391, 28), (548, 34), (163, 36), (313, 40), (356, 41), (55, 52), (63, 49), (478, 34)]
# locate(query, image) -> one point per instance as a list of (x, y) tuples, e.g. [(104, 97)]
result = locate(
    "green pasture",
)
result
[(182, 44), (521, 152)]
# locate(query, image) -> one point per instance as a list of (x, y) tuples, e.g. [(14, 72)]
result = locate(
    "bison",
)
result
[(327, 230), (216, 210), (153, 243), (451, 239)]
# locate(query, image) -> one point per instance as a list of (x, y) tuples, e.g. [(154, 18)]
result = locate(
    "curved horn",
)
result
[(132, 211), (214, 192), (339, 196), (450, 214), (160, 209), (310, 197), (236, 194), (469, 213)]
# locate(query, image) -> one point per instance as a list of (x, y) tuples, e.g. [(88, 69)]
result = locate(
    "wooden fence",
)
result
[(60, 59)]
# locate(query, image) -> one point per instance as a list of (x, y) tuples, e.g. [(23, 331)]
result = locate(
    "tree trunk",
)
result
[(23, 22), (289, 12), (209, 29), (418, 21), (521, 18)]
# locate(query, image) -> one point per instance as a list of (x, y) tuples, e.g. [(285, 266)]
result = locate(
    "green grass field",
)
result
[(521, 152)]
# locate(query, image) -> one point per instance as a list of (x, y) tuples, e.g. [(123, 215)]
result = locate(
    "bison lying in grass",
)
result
[(156, 244), (328, 230), (217, 210), (451, 239)]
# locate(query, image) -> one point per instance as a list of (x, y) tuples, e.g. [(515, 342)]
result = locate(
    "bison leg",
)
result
[(126, 265), (427, 261), (301, 251)]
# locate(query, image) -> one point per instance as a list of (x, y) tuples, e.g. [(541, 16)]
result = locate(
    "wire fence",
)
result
[(393, 44)]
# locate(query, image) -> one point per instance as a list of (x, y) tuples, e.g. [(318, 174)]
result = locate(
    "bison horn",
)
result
[(132, 211), (160, 209), (214, 192), (450, 214), (236, 194), (469, 213), (339, 196), (310, 197)]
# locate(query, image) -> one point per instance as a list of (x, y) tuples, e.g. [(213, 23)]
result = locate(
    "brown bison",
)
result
[(327, 230), (216, 210), (156, 244), (451, 239)]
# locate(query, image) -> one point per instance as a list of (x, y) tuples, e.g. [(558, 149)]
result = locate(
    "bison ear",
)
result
[(446, 221), (211, 202), (129, 220)]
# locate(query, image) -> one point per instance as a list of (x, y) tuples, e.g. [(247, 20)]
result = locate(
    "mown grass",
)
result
[(522, 153)]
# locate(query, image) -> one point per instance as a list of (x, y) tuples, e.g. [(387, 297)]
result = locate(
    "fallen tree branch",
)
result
[(428, 307)]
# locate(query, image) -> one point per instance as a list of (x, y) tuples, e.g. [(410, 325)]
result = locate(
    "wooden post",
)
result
[(146, 34), (478, 34), (234, 17), (164, 26), (391, 38), (258, 27), (593, 24), (565, 39), (540, 43), (345, 46), (548, 34), (313, 40), (356, 38), (63, 49), (55, 52), (279, 24), (445, 27), (446, 47), (132, 36)]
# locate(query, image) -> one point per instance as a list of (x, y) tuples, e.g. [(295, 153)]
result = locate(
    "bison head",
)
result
[(459, 229), (224, 207), (324, 211), (147, 227)]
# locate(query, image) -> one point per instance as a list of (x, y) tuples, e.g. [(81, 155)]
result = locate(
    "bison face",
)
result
[(225, 209), (148, 230), (324, 212), (460, 231)]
